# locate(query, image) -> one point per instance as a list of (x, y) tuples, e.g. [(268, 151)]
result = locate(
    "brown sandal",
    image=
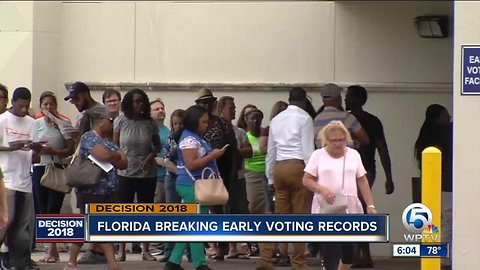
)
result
[(148, 257), (48, 259)]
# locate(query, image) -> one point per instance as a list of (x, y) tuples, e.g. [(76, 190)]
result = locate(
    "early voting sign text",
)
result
[(470, 70)]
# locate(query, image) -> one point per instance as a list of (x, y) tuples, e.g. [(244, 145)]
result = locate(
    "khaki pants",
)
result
[(291, 197), (256, 193)]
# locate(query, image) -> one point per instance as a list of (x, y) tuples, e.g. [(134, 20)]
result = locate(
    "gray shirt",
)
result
[(55, 140), (241, 139), (136, 143)]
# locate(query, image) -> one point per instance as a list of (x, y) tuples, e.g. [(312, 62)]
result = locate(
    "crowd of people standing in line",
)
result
[(302, 160)]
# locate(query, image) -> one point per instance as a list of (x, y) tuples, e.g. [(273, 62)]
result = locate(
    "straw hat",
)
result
[(205, 94)]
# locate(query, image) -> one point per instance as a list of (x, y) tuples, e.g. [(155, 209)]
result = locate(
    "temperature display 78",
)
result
[(434, 250)]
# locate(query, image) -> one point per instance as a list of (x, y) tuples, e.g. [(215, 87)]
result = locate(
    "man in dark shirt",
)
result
[(79, 95), (354, 101)]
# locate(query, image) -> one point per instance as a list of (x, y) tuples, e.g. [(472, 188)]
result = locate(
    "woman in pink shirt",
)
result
[(335, 172)]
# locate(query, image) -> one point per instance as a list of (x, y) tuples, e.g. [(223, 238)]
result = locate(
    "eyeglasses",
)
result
[(112, 101), (338, 141)]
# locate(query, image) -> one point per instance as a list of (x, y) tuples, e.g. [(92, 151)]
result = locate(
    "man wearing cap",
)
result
[(220, 133), (333, 111), (79, 95), (290, 144)]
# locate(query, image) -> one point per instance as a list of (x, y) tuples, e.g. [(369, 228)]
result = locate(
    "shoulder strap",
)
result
[(189, 173), (343, 173), (77, 152)]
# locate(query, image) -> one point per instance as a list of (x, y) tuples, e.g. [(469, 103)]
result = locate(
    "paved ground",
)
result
[(133, 262)]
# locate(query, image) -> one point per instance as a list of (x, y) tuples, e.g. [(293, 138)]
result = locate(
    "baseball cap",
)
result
[(330, 91), (77, 88)]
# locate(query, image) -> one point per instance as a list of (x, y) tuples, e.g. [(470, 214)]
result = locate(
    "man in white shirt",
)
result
[(290, 144), (17, 148)]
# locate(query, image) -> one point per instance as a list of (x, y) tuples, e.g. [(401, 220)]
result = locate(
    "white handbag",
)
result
[(209, 191)]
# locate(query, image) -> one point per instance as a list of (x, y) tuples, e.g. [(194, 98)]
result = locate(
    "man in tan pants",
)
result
[(290, 144)]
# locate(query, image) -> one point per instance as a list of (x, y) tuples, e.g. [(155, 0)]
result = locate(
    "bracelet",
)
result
[(371, 206)]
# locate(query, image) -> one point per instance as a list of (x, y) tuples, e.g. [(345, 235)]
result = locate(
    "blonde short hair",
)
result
[(332, 126)]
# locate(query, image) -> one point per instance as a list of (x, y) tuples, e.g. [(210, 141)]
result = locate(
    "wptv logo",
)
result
[(417, 219)]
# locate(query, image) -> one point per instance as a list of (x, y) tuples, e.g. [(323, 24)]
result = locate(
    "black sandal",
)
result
[(283, 261)]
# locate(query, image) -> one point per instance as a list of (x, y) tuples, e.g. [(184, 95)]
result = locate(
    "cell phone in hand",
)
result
[(225, 146)]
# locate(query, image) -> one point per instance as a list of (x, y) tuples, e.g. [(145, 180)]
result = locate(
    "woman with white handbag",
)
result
[(334, 173), (196, 164), (48, 176)]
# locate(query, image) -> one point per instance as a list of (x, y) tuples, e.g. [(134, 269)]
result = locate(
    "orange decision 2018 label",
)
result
[(141, 208)]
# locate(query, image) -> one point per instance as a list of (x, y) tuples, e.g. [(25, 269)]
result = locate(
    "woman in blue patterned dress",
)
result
[(97, 143)]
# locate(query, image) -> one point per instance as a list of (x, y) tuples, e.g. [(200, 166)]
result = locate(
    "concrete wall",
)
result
[(29, 45), (377, 42), (16, 43), (238, 43), (307, 42), (466, 147)]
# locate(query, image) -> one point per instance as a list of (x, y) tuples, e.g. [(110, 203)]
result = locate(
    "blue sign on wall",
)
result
[(470, 70)]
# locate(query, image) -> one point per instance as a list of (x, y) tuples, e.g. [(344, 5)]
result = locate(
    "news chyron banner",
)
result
[(183, 223)]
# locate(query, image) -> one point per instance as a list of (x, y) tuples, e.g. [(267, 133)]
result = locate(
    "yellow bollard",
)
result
[(431, 197)]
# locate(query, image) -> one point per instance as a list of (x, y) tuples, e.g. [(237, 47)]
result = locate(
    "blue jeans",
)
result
[(20, 228), (171, 196)]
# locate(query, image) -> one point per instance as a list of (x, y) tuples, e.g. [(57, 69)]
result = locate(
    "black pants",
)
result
[(143, 187), (333, 252), (46, 201)]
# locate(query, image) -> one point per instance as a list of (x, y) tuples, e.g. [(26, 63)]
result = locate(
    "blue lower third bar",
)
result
[(237, 228), (434, 250), (60, 228)]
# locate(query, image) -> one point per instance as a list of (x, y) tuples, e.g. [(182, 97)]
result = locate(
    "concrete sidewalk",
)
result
[(134, 262)]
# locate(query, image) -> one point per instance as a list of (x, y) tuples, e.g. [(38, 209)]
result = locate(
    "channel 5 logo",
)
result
[(417, 219)]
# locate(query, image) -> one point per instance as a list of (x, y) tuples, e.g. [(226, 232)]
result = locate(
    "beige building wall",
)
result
[(245, 45), (29, 46), (16, 44), (466, 188)]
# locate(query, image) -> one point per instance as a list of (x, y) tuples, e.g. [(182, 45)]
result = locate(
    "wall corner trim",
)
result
[(267, 86)]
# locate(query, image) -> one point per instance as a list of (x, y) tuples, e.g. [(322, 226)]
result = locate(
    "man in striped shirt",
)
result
[(332, 100), (333, 111)]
